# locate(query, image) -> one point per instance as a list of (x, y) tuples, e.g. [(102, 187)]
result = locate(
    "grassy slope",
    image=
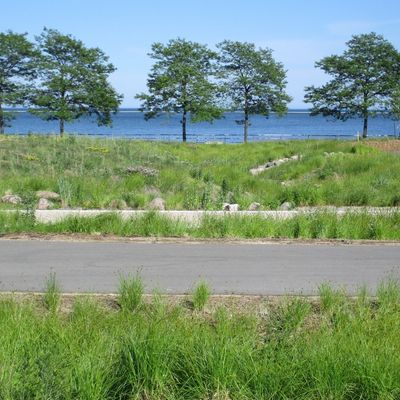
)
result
[(90, 173), (336, 349)]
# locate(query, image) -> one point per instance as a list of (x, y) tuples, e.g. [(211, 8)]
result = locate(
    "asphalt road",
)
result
[(268, 269)]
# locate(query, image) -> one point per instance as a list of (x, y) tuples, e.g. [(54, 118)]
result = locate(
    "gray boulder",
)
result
[(254, 206), (44, 204), (230, 207), (45, 194), (286, 206), (157, 204), (11, 199)]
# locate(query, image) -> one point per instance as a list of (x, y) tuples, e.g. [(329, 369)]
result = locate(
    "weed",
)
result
[(201, 295), (52, 295), (130, 292)]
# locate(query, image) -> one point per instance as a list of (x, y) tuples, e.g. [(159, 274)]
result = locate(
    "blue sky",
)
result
[(299, 32)]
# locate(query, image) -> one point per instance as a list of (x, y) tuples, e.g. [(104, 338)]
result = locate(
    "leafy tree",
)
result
[(363, 79), (180, 82), (74, 81), (17, 69), (252, 80)]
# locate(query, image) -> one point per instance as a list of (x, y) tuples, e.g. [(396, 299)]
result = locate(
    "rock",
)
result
[(230, 207), (44, 204), (118, 204), (254, 206), (271, 164), (286, 206), (157, 204), (11, 199), (45, 194), (140, 169)]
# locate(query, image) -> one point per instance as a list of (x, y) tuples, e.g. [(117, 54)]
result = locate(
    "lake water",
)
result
[(131, 124)]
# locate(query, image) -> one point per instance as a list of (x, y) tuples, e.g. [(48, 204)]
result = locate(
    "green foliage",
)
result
[(180, 82), (52, 295), (252, 80), (130, 292), (73, 81), (332, 348), (201, 295), (17, 68), (363, 80)]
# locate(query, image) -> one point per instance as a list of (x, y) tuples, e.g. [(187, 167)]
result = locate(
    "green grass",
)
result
[(319, 225), (130, 292), (91, 173), (338, 348), (201, 295), (52, 294)]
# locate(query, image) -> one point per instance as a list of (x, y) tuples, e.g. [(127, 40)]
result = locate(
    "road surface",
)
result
[(268, 269)]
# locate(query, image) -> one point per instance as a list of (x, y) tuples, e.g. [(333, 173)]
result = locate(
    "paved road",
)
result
[(174, 268)]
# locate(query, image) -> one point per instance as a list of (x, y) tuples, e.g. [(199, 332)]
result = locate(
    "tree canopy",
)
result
[(363, 80), (17, 69), (74, 81), (252, 80), (180, 81)]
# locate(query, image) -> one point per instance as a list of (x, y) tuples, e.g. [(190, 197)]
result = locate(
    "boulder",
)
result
[(286, 206), (140, 169), (11, 199), (230, 207), (254, 206), (44, 204), (157, 204), (45, 194), (118, 204)]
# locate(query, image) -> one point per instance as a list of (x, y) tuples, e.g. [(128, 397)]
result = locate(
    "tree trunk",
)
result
[(2, 121), (365, 127), (246, 125), (61, 127), (184, 119)]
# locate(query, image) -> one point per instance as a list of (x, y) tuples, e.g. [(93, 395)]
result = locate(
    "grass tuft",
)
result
[(130, 292), (201, 295), (52, 295)]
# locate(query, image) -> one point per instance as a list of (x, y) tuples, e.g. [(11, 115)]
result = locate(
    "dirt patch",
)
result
[(391, 146)]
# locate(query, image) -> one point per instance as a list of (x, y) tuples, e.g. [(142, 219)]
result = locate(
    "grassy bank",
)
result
[(107, 173), (334, 349), (319, 225)]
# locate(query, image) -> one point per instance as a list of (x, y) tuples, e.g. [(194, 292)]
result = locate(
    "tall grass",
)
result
[(52, 294), (339, 349), (201, 295), (130, 292), (92, 173), (319, 225)]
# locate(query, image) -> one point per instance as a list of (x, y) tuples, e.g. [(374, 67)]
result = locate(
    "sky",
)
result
[(299, 33)]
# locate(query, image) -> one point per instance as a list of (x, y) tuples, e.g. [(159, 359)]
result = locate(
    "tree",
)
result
[(74, 81), (16, 71), (362, 80), (180, 82), (253, 81)]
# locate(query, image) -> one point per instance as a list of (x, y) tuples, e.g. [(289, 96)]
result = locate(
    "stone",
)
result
[(274, 163), (11, 199), (140, 169), (254, 206), (230, 207), (44, 204), (157, 204), (45, 194), (118, 204), (286, 206)]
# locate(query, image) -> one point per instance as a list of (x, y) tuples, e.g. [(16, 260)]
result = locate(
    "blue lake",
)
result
[(131, 124)]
